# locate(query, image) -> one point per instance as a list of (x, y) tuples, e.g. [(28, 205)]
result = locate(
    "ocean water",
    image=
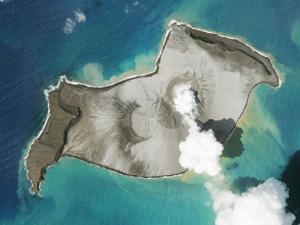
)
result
[(120, 36)]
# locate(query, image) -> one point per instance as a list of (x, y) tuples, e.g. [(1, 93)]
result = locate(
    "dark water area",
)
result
[(291, 177), (34, 51), (243, 184), (234, 146), (227, 133), (221, 128), (19, 114)]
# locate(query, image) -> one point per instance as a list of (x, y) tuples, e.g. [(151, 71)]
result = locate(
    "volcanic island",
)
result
[(132, 126)]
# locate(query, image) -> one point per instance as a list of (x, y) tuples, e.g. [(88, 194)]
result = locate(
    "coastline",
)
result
[(63, 79), (46, 93)]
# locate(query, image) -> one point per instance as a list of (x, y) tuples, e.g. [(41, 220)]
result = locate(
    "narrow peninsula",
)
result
[(132, 126)]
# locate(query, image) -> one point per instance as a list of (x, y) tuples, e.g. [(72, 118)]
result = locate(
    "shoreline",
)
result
[(63, 79)]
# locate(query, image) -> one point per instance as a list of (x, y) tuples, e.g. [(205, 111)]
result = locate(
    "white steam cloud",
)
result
[(200, 151), (262, 205), (71, 23)]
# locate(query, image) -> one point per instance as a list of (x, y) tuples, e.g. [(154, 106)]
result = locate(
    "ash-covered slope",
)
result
[(132, 126)]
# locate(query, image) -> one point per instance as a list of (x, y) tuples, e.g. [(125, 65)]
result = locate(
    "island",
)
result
[(131, 126)]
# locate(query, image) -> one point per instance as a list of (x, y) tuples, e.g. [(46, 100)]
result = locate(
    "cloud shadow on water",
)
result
[(243, 184), (227, 134)]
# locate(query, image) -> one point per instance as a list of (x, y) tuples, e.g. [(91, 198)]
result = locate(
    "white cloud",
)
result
[(262, 205), (69, 26), (200, 151), (71, 22), (80, 16)]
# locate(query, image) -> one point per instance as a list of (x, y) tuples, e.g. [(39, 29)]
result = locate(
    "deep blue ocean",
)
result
[(119, 36)]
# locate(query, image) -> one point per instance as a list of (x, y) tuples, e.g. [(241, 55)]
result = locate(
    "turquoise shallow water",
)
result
[(77, 193)]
